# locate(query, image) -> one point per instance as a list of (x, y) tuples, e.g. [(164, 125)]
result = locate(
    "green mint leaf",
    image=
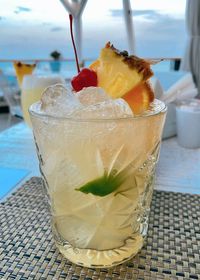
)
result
[(103, 185)]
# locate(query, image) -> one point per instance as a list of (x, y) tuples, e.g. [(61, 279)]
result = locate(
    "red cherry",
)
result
[(85, 78)]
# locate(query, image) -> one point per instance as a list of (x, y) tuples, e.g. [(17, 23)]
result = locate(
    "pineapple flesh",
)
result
[(124, 76)]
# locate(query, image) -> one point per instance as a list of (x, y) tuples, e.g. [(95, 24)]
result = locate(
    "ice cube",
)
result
[(58, 100), (107, 109), (92, 95)]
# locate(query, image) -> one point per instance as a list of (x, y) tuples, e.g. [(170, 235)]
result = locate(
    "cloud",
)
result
[(55, 29), (146, 14), (21, 9), (46, 23), (162, 36), (119, 13), (116, 13), (156, 34)]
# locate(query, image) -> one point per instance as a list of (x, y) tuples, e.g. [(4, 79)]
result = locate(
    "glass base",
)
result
[(105, 258)]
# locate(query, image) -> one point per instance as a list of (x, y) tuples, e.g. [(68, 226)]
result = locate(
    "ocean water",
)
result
[(67, 70)]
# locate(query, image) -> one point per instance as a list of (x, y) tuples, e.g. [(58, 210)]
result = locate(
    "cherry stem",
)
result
[(74, 46)]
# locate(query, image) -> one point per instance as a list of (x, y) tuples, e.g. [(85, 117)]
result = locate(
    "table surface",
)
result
[(27, 250), (178, 168), (172, 247)]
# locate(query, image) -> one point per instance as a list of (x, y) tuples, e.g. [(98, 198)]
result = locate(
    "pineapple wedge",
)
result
[(124, 76), (22, 69), (139, 97)]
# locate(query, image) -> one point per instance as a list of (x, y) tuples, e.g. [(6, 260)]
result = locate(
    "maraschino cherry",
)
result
[(86, 77)]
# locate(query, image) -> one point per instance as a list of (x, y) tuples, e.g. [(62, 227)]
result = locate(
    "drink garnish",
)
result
[(110, 181), (121, 76), (73, 42), (103, 185), (124, 76), (85, 77), (23, 69)]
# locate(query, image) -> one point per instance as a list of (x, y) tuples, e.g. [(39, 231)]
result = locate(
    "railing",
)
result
[(172, 62), (84, 60), (68, 68)]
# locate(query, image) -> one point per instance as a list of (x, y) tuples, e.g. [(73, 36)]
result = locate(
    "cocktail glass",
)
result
[(32, 88), (99, 176)]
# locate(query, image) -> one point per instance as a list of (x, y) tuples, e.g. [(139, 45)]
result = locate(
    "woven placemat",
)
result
[(27, 250)]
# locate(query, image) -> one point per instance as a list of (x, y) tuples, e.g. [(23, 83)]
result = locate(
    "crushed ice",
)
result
[(91, 102), (58, 100)]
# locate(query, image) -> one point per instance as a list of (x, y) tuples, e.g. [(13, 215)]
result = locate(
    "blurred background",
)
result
[(33, 29), (39, 32)]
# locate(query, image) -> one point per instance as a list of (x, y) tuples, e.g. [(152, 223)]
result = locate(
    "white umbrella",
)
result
[(129, 25), (191, 60), (76, 7)]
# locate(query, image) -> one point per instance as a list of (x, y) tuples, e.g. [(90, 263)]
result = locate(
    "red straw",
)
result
[(74, 46)]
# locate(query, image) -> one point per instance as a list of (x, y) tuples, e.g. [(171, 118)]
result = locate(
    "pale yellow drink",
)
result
[(99, 178), (32, 89)]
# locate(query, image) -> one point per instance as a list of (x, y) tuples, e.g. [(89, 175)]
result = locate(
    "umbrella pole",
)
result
[(129, 25), (78, 38)]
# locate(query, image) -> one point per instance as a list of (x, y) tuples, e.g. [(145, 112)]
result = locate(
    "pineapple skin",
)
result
[(118, 73)]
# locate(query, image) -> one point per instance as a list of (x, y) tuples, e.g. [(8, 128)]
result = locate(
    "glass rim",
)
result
[(72, 118)]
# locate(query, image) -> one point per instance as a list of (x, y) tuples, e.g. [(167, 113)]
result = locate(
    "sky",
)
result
[(34, 28)]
